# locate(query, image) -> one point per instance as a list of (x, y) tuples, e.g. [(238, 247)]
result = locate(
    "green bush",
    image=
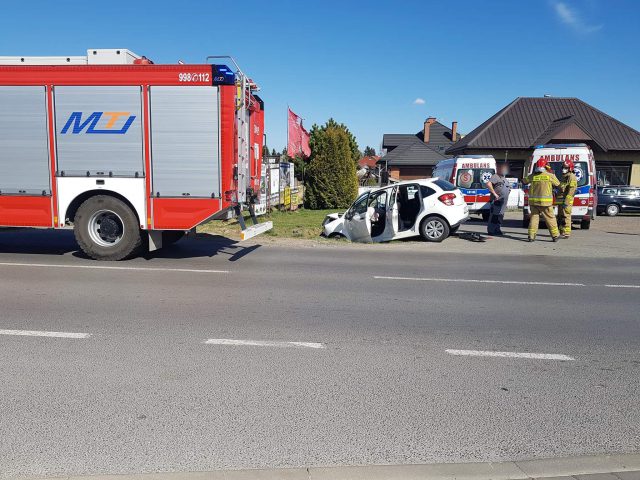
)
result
[(331, 180)]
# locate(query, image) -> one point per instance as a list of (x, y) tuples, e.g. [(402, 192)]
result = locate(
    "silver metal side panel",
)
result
[(99, 130), (244, 173), (24, 154), (185, 141)]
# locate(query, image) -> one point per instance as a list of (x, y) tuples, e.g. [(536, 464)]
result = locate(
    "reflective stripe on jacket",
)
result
[(567, 189), (541, 190)]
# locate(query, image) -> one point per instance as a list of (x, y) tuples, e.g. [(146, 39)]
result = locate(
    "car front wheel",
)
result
[(434, 229)]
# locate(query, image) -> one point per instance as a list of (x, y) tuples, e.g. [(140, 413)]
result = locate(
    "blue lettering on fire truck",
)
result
[(77, 125)]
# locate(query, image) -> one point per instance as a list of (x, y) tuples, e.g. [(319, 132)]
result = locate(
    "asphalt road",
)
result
[(135, 387)]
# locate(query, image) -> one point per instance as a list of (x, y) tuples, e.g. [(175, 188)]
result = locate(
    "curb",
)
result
[(518, 470)]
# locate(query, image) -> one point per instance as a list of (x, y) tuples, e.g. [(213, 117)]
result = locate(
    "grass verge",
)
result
[(297, 224)]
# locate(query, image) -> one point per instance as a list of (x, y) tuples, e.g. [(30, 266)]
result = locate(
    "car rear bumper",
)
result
[(458, 218), (464, 220), (479, 210)]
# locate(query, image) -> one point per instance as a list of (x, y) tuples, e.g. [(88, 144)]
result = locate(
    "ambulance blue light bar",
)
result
[(561, 145)]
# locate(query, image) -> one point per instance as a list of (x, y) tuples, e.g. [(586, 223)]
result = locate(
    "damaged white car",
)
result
[(431, 208)]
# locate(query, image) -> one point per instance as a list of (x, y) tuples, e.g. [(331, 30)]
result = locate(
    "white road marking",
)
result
[(263, 343), (470, 280), (502, 282), (110, 267), (488, 353), (39, 333)]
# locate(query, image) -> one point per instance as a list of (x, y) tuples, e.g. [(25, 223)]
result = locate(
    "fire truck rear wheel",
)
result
[(107, 229)]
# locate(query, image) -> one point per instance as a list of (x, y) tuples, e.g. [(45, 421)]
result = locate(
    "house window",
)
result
[(613, 174)]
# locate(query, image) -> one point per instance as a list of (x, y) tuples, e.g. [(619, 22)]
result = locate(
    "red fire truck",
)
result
[(129, 154)]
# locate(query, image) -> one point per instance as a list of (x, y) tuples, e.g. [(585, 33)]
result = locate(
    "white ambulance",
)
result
[(585, 169), (470, 173)]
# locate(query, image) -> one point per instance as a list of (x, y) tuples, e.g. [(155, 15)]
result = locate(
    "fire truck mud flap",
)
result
[(255, 230)]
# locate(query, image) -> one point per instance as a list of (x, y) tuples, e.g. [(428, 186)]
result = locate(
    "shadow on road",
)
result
[(38, 242), (623, 233), (61, 242), (512, 223), (524, 238), (507, 222), (204, 245)]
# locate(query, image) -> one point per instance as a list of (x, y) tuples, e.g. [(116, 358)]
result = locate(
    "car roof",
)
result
[(418, 181)]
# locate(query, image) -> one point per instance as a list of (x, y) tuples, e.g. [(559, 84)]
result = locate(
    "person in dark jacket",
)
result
[(500, 191)]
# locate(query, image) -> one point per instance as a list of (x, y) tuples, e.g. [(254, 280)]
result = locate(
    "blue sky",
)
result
[(377, 66)]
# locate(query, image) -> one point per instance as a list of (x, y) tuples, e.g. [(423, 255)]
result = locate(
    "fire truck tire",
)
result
[(585, 224), (107, 229)]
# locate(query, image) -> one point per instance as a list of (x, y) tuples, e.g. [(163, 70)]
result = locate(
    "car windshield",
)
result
[(474, 177)]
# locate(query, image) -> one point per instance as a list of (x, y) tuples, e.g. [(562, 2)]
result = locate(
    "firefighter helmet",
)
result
[(542, 163), (569, 164)]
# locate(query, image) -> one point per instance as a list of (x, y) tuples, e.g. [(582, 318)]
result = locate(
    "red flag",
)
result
[(304, 142), (298, 137)]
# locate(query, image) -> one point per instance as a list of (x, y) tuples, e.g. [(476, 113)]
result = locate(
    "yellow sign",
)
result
[(295, 199), (286, 200), (239, 96)]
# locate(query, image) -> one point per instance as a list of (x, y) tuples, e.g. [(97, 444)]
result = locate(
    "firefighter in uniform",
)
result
[(564, 199), (542, 182)]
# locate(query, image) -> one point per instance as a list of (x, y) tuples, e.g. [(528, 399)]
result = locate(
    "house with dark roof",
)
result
[(513, 132), (410, 156)]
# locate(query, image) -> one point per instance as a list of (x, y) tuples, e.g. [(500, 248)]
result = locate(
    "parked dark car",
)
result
[(614, 199)]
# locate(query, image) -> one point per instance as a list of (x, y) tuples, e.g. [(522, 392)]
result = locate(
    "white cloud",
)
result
[(419, 101), (572, 17)]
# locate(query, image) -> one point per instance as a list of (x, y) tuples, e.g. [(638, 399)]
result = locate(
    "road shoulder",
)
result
[(596, 467)]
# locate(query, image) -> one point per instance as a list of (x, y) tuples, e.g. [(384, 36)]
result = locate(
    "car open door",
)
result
[(391, 227), (357, 220)]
